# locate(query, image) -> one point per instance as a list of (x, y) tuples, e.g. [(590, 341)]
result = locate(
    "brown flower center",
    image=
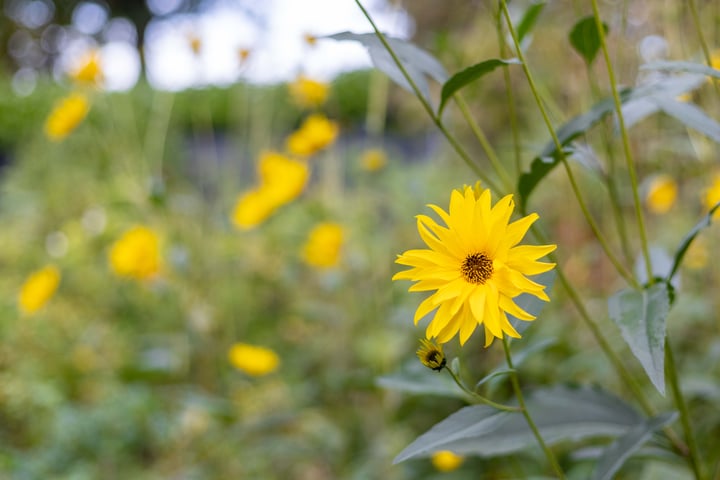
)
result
[(477, 268)]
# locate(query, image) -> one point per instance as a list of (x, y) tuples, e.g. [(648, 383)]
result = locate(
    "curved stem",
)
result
[(521, 402), (695, 462), (436, 120), (563, 159), (479, 398), (626, 143)]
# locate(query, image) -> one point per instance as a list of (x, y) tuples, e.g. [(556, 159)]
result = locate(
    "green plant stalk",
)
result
[(671, 371), (610, 177), (436, 120), (521, 402), (701, 38), (626, 143), (479, 398), (615, 360), (158, 125), (558, 146), (512, 113), (487, 148), (377, 103)]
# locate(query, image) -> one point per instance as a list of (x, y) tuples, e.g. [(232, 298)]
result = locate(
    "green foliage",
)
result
[(469, 75), (529, 19), (585, 38)]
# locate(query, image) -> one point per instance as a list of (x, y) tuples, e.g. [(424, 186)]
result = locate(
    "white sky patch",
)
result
[(274, 38)]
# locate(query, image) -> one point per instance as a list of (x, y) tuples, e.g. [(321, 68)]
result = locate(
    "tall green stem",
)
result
[(436, 119), (671, 371), (563, 159), (479, 398), (531, 423), (626, 143)]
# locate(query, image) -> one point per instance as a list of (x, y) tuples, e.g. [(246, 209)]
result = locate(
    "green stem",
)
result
[(521, 402), (615, 360), (479, 398), (487, 148), (436, 120), (701, 38), (626, 143), (695, 462), (563, 159)]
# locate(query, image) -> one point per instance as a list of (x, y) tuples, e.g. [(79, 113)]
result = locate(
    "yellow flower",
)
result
[(476, 267), (253, 360), (38, 289), (322, 248), (446, 461), (712, 196), (310, 39), (88, 71), (282, 177), (431, 355), (243, 54), (66, 115), (136, 254), (195, 43), (373, 160), (661, 194), (316, 133), (308, 93), (252, 208)]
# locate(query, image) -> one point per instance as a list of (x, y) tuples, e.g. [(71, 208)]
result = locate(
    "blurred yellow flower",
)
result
[(446, 461), (712, 196), (476, 267), (715, 62), (308, 93), (195, 43), (697, 254), (38, 288), (253, 207), (88, 71), (66, 115), (254, 360), (310, 39), (373, 160), (322, 249), (316, 133), (282, 177), (136, 254), (243, 54), (661, 194)]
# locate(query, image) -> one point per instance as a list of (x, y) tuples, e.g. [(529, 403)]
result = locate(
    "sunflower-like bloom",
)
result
[(308, 93), (66, 116), (38, 289), (136, 254), (254, 360), (476, 267), (316, 133), (661, 194), (323, 246), (446, 461), (431, 355)]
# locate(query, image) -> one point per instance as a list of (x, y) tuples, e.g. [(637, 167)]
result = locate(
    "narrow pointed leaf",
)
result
[(529, 19), (469, 75), (687, 241), (616, 454), (585, 38), (690, 115), (418, 63), (641, 315), (689, 67), (561, 413), (420, 380)]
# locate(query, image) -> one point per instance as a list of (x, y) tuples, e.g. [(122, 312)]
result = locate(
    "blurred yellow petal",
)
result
[(308, 93), (38, 288), (446, 461), (66, 116), (322, 249), (661, 194), (136, 254), (315, 134), (253, 360)]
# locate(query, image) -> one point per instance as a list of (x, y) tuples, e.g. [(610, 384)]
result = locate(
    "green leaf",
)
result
[(585, 38), (469, 75), (561, 413), (494, 374), (687, 241), (641, 103), (418, 63), (690, 67), (641, 316), (690, 115), (417, 379), (529, 19), (548, 158), (616, 454)]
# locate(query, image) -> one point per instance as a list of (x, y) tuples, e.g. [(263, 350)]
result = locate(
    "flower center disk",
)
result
[(477, 268)]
